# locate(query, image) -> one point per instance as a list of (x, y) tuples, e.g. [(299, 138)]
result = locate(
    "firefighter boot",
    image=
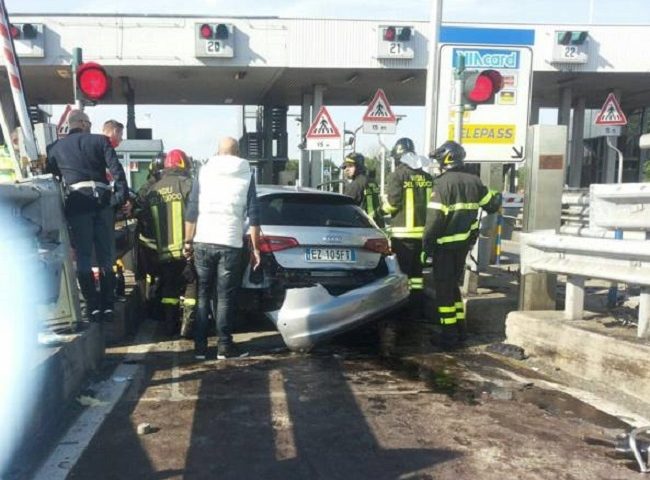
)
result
[(170, 315)]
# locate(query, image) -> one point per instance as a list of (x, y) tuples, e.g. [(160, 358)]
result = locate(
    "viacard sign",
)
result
[(487, 58)]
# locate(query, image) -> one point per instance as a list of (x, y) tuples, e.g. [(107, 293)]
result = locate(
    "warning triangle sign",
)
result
[(323, 126), (62, 126), (611, 113), (379, 109)]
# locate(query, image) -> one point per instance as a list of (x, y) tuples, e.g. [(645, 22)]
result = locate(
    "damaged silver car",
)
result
[(326, 267)]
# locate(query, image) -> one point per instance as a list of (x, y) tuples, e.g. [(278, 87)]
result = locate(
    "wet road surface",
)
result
[(351, 409)]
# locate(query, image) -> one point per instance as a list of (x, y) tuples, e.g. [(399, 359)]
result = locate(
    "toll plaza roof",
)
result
[(277, 60)]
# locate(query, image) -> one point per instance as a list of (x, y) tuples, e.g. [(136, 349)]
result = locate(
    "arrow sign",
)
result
[(323, 134), (519, 154), (611, 113), (379, 117)]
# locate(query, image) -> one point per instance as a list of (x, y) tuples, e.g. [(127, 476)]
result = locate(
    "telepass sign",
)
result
[(496, 130)]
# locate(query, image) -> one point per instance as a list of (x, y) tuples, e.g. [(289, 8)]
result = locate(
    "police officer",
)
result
[(451, 230), (408, 190), (161, 205), (364, 192), (81, 159)]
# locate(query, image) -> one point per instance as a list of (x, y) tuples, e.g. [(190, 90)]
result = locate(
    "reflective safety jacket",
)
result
[(365, 194), (406, 198), (161, 213), (453, 209)]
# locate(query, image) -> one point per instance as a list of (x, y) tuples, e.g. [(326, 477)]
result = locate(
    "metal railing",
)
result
[(580, 258), (575, 208)]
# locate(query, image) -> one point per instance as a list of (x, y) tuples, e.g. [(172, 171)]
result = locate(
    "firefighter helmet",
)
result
[(177, 159), (356, 159), (449, 155), (402, 146)]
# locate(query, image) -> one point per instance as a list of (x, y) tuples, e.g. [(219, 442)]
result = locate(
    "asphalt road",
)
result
[(363, 407)]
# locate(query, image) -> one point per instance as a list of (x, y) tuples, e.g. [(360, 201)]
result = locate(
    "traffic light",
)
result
[(23, 31), (215, 40), (395, 41), (480, 87), (572, 37), (397, 34), (92, 81)]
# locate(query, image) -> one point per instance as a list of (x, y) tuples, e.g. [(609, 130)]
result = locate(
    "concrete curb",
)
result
[(582, 351)]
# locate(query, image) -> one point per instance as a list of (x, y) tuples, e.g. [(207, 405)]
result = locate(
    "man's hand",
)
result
[(188, 250), (256, 259)]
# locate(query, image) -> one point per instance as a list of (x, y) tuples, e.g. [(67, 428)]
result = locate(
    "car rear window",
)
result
[(307, 210)]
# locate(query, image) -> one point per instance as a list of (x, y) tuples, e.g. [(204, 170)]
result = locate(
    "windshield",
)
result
[(311, 211)]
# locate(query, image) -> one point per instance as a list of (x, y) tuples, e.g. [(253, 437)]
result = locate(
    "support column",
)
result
[(267, 135), (544, 184), (577, 143), (535, 106), (575, 298), (316, 155), (129, 95), (564, 112), (564, 118), (304, 169)]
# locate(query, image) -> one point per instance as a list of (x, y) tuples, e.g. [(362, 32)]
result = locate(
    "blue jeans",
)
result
[(218, 272)]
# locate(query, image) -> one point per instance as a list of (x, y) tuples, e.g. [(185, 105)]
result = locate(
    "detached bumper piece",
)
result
[(309, 315)]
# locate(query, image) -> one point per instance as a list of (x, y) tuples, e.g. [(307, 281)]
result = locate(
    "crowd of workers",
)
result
[(191, 230)]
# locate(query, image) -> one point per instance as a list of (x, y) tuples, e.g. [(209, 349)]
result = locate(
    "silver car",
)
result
[(326, 267)]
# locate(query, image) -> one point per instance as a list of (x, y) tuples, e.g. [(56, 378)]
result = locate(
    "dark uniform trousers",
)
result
[(447, 275)]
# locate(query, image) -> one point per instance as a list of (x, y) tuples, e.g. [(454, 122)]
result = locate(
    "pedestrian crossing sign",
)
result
[(611, 113), (379, 117), (323, 134)]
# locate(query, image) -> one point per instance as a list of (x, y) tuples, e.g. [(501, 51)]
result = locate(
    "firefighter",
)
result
[(364, 192), (161, 208), (451, 230), (408, 190)]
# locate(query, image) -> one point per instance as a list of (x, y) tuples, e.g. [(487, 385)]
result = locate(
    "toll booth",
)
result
[(135, 157)]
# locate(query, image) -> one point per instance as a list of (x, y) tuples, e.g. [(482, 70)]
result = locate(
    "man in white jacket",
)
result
[(221, 199)]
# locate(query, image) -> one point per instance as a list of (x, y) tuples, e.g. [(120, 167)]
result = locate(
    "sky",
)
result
[(185, 126)]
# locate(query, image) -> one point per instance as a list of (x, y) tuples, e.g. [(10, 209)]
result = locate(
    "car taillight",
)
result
[(269, 244), (379, 245)]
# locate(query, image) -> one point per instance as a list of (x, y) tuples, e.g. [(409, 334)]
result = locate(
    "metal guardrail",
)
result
[(580, 258), (575, 207), (625, 206)]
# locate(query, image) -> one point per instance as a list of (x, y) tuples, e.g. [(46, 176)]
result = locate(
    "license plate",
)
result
[(334, 255)]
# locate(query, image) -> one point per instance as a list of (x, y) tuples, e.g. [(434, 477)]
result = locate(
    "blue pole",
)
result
[(612, 296), (499, 235)]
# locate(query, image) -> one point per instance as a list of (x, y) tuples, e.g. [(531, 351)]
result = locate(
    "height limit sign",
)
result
[(379, 117)]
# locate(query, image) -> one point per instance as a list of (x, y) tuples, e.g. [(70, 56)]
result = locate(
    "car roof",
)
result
[(263, 190)]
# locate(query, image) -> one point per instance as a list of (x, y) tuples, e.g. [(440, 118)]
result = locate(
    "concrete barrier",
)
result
[(582, 350)]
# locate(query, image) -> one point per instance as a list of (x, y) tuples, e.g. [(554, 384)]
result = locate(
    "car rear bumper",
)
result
[(308, 315)]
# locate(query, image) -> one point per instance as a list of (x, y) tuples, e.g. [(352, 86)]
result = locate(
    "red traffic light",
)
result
[(480, 87), (389, 34), (92, 80), (205, 31), (14, 31)]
